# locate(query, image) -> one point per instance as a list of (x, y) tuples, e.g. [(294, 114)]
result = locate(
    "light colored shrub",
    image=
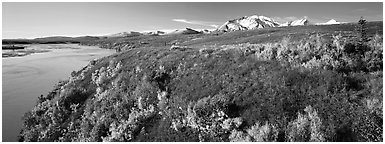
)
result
[(239, 136), (298, 130), (315, 125), (263, 133), (374, 105), (306, 127)]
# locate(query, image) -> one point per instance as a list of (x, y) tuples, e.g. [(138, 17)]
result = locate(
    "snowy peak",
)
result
[(330, 22), (185, 31), (247, 23), (299, 22), (285, 24)]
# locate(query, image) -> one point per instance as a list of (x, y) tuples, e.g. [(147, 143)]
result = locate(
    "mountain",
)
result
[(299, 22), (285, 24), (247, 23), (125, 34), (330, 22), (184, 31)]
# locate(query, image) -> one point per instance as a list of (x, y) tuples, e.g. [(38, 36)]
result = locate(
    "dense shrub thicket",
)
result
[(311, 90)]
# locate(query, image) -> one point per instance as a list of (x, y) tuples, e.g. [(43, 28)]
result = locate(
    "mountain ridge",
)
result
[(248, 23)]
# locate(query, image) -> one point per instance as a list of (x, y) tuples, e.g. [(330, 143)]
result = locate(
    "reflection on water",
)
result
[(26, 78)]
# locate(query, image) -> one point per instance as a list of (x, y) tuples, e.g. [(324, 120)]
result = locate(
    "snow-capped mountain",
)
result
[(285, 24), (184, 31), (243, 23), (330, 22), (299, 22), (247, 23)]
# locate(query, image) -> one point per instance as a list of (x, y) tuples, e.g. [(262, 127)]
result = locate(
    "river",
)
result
[(25, 78)]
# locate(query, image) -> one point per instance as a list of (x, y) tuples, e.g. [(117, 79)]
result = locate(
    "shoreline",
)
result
[(30, 49), (21, 53), (28, 77)]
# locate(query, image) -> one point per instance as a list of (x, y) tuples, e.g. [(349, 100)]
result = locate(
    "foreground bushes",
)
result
[(340, 55)]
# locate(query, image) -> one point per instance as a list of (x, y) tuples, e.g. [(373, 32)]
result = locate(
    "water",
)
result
[(26, 78)]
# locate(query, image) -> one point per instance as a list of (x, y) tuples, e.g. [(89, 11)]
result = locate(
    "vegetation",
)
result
[(322, 88)]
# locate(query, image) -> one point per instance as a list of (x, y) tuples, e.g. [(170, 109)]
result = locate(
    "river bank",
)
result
[(27, 77), (19, 53)]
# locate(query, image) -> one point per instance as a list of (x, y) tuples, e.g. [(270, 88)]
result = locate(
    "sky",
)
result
[(40, 19)]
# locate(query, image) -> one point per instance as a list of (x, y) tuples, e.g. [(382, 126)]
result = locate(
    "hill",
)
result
[(50, 40), (125, 34), (265, 35), (301, 83)]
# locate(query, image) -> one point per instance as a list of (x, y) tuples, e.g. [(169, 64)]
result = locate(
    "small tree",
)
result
[(362, 37)]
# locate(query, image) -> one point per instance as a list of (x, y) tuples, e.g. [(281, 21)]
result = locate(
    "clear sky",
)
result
[(32, 20)]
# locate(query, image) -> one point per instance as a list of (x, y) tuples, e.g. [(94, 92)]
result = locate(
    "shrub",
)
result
[(306, 127), (299, 129), (145, 93), (239, 136), (263, 133)]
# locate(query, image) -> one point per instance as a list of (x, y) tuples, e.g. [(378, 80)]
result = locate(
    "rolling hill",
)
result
[(51, 40), (301, 83)]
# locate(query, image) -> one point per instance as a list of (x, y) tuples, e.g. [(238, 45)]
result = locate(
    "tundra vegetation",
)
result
[(319, 88)]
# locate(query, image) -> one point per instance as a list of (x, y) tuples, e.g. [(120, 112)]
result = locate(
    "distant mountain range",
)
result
[(257, 22), (242, 23), (158, 32)]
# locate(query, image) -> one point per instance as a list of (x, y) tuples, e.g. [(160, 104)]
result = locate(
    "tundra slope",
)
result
[(314, 89)]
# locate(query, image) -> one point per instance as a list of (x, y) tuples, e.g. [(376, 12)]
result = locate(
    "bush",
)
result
[(263, 133), (306, 127)]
